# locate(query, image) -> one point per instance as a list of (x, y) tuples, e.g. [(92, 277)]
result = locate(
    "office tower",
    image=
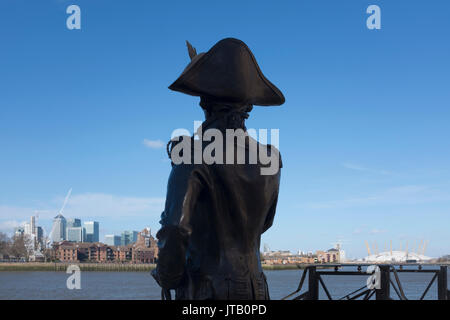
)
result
[(30, 227), (112, 240), (128, 237), (27, 228), (91, 231), (74, 230), (33, 224), (75, 234), (39, 232), (59, 228), (73, 223)]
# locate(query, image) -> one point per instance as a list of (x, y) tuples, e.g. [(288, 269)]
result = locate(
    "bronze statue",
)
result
[(215, 213)]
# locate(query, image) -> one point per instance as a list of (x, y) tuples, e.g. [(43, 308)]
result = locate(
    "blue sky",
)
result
[(364, 131)]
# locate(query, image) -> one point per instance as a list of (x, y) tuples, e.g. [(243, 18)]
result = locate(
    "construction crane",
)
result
[(66, 199)]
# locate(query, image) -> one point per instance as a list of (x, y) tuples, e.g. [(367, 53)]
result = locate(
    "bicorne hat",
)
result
[(227, 72)]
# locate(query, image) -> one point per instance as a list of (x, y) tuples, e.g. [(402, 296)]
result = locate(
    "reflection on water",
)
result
[(140, 285)]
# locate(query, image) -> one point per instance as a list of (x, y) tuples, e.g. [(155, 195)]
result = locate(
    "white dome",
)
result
[(396, 256)]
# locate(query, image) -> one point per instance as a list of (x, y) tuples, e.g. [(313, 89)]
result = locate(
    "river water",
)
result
[(140, 285)]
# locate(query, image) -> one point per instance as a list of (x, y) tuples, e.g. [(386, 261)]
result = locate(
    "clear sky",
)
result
[(364, 132)]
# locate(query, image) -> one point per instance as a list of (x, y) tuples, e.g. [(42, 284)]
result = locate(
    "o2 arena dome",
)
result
[(397, 256)]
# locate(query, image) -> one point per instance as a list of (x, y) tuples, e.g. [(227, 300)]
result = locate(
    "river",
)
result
[(140, 285)]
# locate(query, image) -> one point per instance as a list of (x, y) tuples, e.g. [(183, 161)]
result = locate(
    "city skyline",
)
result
[(72, 224), (88, 232), (127, 237), (72, 230)]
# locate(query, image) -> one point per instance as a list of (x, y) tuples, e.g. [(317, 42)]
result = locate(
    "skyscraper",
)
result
[(59, 228), (128, 237), (39, 234), (112, 240), (75, 234), (73, 223), (33, 224), (91, 231), (27, 228), (30, 227), (74, 230)]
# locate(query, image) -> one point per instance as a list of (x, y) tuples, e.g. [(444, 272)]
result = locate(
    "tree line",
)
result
[(15, 246)]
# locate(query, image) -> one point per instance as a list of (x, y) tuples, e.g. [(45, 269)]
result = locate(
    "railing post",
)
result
[(384, 293), (442, 284), (313, 284)]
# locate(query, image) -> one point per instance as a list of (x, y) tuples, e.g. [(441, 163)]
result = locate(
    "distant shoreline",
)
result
[(104, 267)]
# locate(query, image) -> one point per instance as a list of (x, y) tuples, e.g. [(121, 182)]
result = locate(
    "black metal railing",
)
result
[(380, 287)]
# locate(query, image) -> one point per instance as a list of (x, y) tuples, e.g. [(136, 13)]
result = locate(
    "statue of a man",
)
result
[(215, 213)]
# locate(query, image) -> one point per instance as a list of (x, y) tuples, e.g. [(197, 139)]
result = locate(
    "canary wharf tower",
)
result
[(59, 228)]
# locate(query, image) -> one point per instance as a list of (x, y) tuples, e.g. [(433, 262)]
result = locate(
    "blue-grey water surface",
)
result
[(140, 285)]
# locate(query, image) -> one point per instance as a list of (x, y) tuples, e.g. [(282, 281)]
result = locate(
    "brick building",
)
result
[(122, 253), (144, 250), (66, 252), (286, 257), (329, 256)]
